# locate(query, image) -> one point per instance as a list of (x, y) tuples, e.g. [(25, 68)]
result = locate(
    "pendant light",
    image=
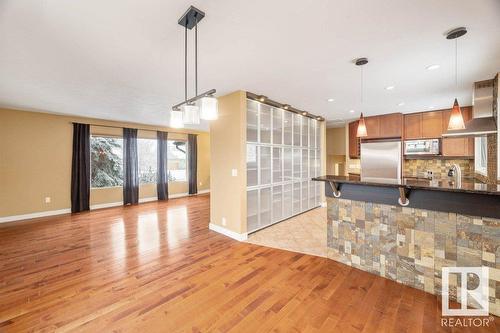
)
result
[(176, 119), (456, 119), (205, 102), (361, 132)]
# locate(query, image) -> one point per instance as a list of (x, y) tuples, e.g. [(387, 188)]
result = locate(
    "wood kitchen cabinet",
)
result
[(457, 146), (432, 124), (372, 127), (413, 126), (391, 125), (354, 147)]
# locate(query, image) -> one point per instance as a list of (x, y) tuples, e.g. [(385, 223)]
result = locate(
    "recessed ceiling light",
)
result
[(351, 111), (330, 100), (431, 107), (304, 113), (389, 88), (432, 67), (401, 104)]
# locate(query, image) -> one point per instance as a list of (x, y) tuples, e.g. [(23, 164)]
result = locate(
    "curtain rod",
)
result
[(122, 127)]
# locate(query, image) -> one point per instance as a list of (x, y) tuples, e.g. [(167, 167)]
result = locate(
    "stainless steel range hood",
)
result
[(482, 122)]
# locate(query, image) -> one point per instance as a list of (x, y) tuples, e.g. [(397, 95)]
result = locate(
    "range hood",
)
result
[(483, 121)]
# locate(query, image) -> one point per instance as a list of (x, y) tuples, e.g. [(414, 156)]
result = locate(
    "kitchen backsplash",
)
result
[(439, 168)]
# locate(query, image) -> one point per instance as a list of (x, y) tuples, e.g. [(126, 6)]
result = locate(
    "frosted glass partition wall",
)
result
[(283, 154)]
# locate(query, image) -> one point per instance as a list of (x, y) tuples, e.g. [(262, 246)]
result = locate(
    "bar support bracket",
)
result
[(403, 196), (335, 189)]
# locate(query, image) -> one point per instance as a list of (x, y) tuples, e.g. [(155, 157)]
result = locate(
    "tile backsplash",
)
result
[(439, 167)]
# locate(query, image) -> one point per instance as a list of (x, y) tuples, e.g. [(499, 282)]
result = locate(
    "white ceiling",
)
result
[(123, 59)]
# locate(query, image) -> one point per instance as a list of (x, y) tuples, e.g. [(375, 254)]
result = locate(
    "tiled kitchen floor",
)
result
[(305, 233)]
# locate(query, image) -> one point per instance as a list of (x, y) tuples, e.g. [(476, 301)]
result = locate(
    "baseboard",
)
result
[(227, 232), (92, 207), (34, 215)]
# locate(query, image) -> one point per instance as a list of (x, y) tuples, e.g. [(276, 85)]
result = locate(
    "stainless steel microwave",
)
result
[(422, 147)]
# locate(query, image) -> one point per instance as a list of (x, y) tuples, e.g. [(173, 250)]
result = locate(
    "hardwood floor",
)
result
[(157, 268)]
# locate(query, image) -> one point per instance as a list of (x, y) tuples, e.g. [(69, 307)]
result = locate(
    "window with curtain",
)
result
[(146, 150), (177, 161), (106, 161), (481, 155)]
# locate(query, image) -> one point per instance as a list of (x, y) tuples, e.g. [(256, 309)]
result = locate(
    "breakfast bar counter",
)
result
[(407, 231)]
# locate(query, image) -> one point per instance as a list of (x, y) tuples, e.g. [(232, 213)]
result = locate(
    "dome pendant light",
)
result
[(205, 102), (361, 132), (456, 118)]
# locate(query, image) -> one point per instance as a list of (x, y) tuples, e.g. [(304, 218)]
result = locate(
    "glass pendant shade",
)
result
[(456, 118), (176, 119), (191, 114), (361, 133), (209, 108)]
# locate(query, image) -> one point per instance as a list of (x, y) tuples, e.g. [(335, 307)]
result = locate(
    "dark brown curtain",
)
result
[(162, 173), (193, 163), (80, 168), (130, 167)]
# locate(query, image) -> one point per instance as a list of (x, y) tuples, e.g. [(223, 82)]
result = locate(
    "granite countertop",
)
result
[(467, 185)]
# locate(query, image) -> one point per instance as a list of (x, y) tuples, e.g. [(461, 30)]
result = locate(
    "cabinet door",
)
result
[(413, 126), (372, 127), (252, 121), (277, 126), (265, 217), (432, 124), (265, 165), (287, 128), (252, 166), (287, 200), (296, 198), (391, 125), (252, 210), (265, 123), (353, 140), (277, 203), (297, 125), (277, 165), (287, 164), (305, 131)]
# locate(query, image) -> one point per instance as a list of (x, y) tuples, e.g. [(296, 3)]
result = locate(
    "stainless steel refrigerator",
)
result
[(381, 161)]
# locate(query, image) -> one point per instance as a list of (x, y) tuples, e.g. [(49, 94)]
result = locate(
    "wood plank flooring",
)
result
[(157, 268)]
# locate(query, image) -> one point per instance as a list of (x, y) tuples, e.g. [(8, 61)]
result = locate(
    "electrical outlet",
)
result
[(234, 172), (224, 222), (47, 200)]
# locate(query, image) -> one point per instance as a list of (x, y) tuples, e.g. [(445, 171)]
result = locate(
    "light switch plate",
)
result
[(234, 172)]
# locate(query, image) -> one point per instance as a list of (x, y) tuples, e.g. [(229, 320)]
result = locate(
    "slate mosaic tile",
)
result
[(411, 246)]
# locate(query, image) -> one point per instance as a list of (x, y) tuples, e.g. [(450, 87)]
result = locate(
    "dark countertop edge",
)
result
[(410, 187), (436, 157)]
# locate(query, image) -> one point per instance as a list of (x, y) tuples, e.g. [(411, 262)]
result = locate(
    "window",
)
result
[(177, 162), (481, 155), (106, 161), (146, 151)]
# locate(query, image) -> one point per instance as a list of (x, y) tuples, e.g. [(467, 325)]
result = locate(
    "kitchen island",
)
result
[(408, 230)]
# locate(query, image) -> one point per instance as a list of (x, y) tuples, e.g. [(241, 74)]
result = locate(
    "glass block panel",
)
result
[(305, 163), (312, 133), (296, 164), (287, 164), (305, 195)]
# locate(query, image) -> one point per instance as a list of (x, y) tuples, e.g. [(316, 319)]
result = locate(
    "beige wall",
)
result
[(35, 161), (352, 165), (227, 147), (336, 141)]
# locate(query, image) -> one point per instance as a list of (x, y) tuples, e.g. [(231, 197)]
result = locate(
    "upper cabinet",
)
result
[(413, 126), (432, 124), (372, 127), (391, 125)]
